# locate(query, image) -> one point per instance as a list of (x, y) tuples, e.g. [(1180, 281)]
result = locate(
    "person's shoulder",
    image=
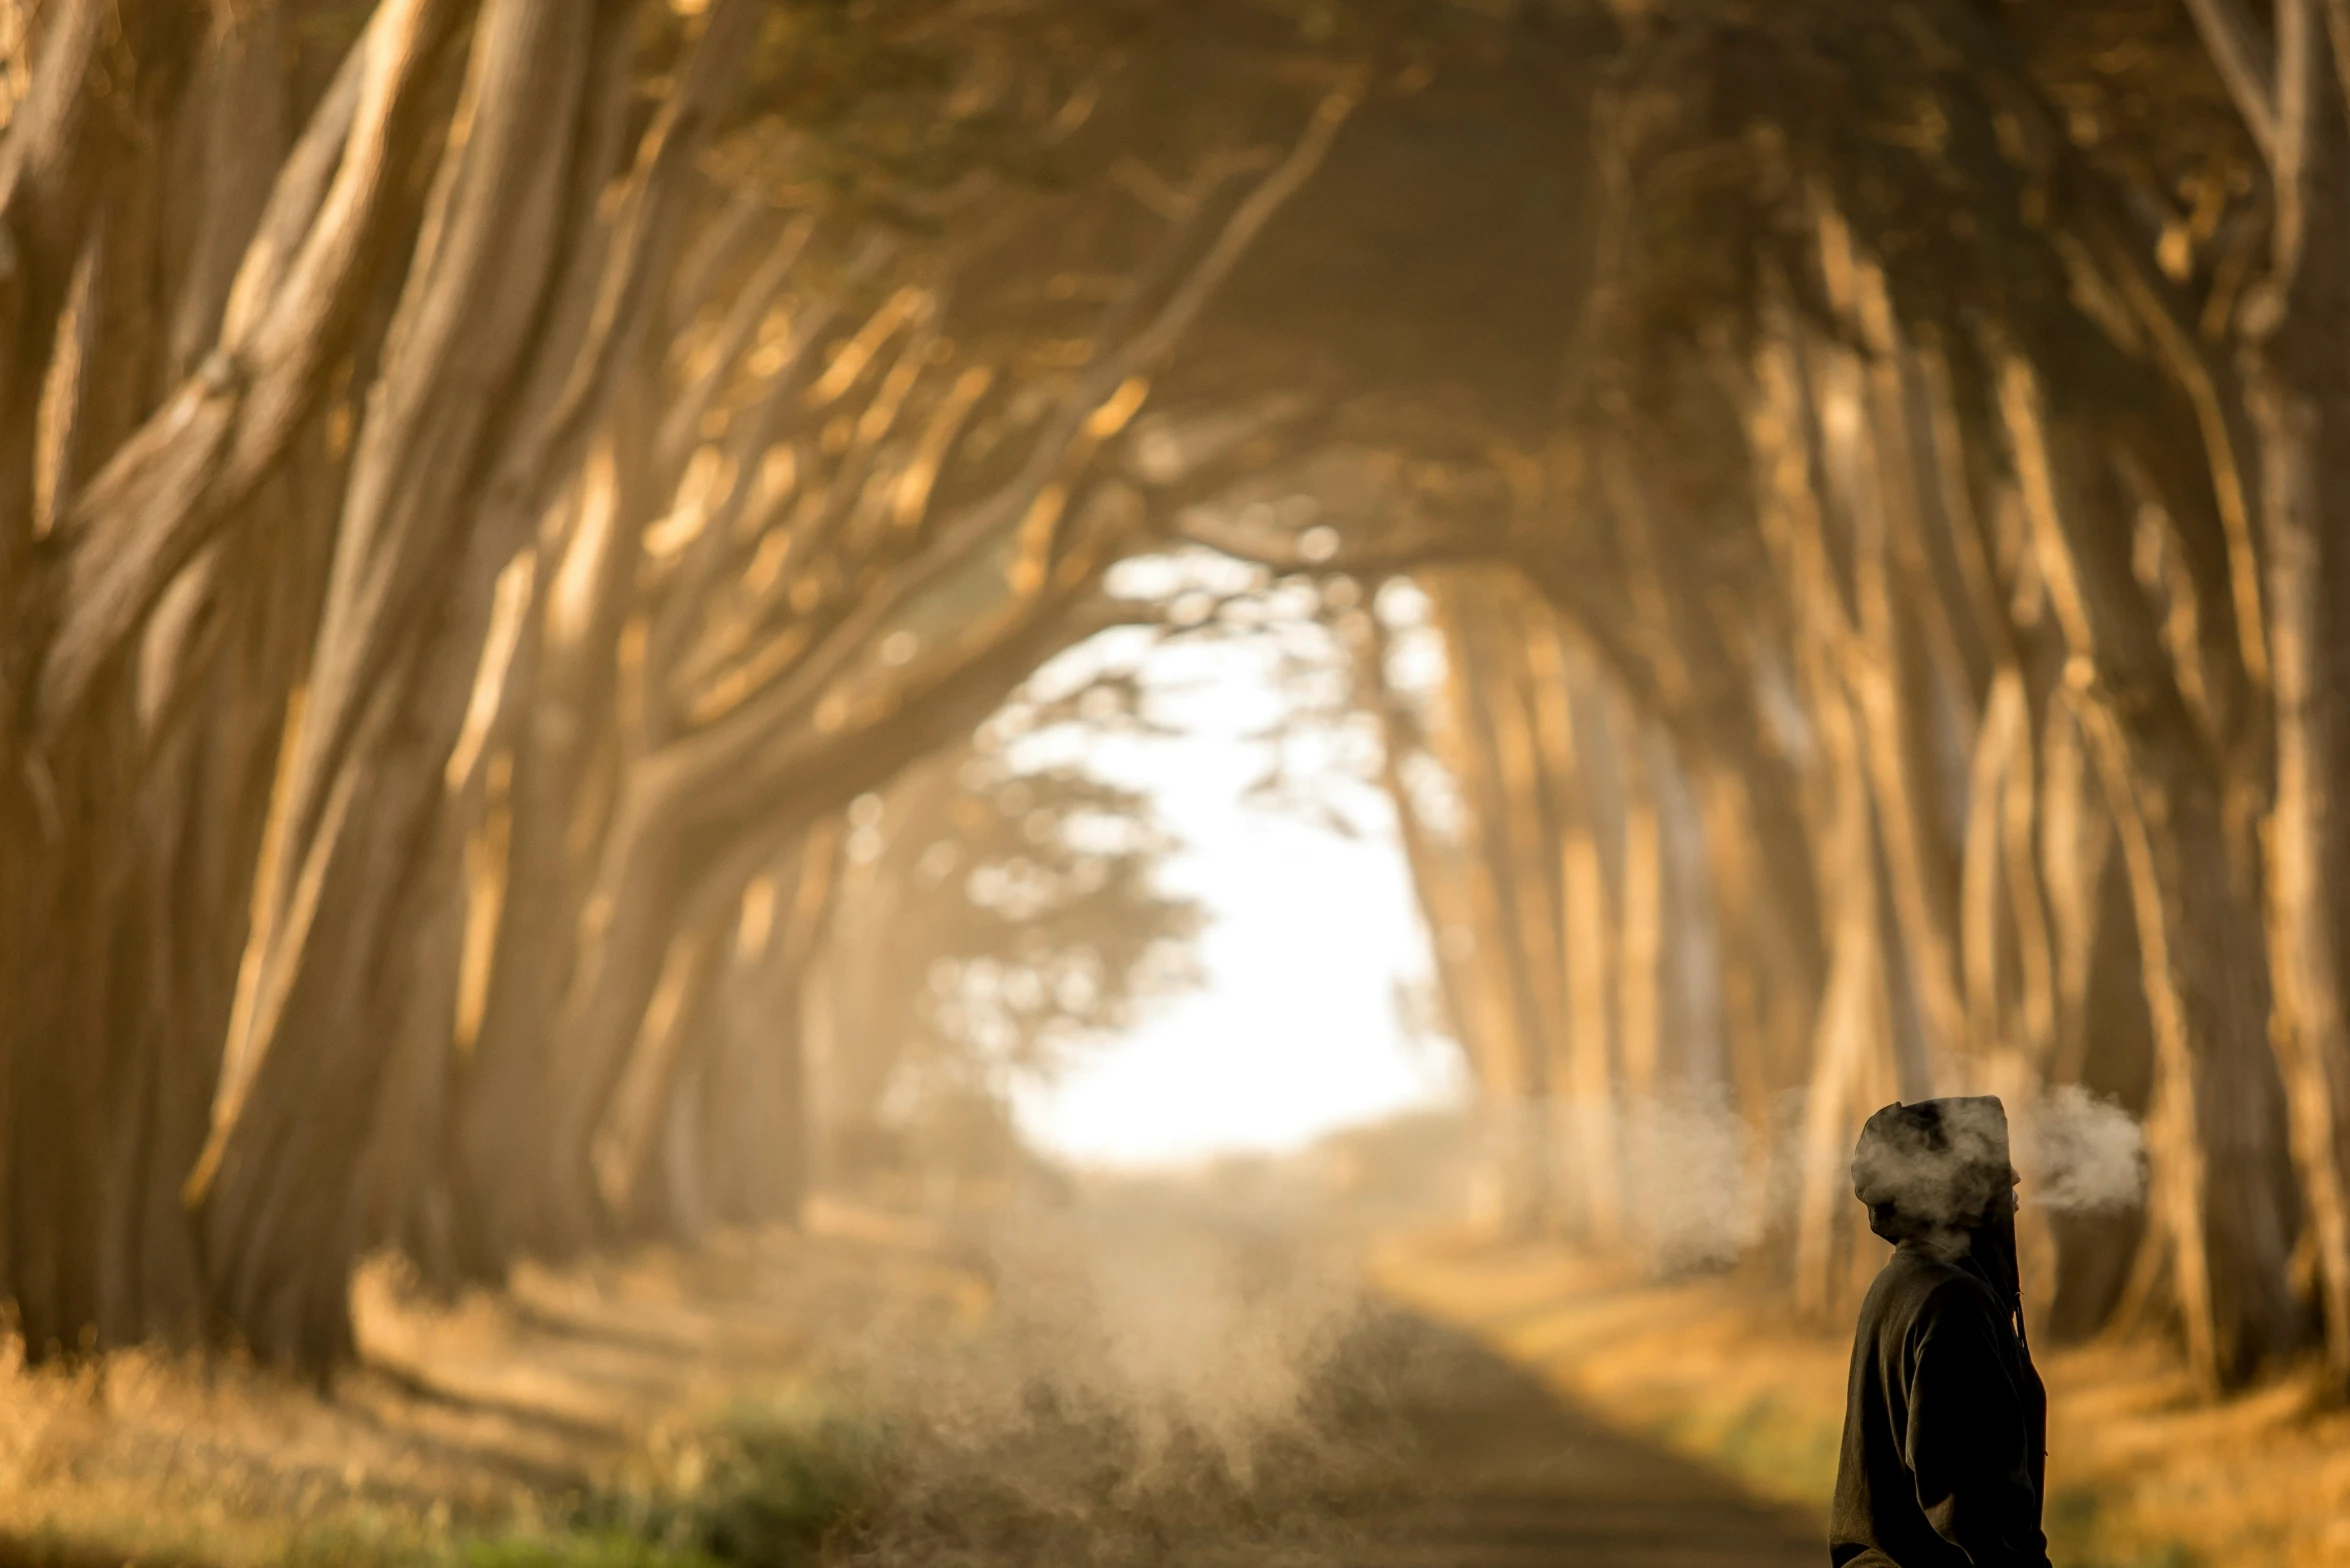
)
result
[(1930, 1287), (1945, 1291)]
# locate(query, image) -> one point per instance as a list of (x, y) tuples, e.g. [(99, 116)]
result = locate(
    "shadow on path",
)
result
[(1510, 1476), (17, 1551)]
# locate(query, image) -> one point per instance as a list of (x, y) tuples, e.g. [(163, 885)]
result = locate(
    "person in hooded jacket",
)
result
[(1946, 1420)]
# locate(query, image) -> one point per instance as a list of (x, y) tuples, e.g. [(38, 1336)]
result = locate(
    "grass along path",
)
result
[(610, 1415)]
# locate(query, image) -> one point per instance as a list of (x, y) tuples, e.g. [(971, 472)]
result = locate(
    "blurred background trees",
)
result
[(513, 514)]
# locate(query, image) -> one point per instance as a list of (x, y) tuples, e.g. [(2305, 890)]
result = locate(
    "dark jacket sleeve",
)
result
[(1967, 1440)]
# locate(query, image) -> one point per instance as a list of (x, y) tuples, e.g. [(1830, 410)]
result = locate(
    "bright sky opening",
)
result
[(1296, 1030)]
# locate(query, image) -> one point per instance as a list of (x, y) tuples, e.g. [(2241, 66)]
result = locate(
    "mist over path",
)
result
[(1467, 1461), (1172, 1376)]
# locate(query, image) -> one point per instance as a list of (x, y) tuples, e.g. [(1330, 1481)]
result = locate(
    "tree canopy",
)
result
[(483, 486)]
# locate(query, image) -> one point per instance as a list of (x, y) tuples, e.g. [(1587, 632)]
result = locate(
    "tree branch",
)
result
[(751, 725), (1201, 526), (2246, 64), (173, 484)]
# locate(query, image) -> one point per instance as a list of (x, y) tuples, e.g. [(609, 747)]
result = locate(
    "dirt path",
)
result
[(1510, 1477), (1453, 1458)]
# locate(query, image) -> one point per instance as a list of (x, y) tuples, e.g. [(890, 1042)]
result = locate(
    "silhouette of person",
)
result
[(1945, 1418)]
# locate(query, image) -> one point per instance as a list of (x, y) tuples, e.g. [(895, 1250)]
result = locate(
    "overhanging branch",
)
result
[(2245, 62)]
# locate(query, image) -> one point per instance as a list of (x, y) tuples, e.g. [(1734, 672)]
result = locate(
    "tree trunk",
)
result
[(2218, 1113), (2300, 402)]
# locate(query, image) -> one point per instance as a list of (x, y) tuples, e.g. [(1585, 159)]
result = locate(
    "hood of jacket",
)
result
[(1934, 1166)]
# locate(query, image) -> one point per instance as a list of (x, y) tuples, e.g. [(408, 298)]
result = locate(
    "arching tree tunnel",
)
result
[(487, 486)]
